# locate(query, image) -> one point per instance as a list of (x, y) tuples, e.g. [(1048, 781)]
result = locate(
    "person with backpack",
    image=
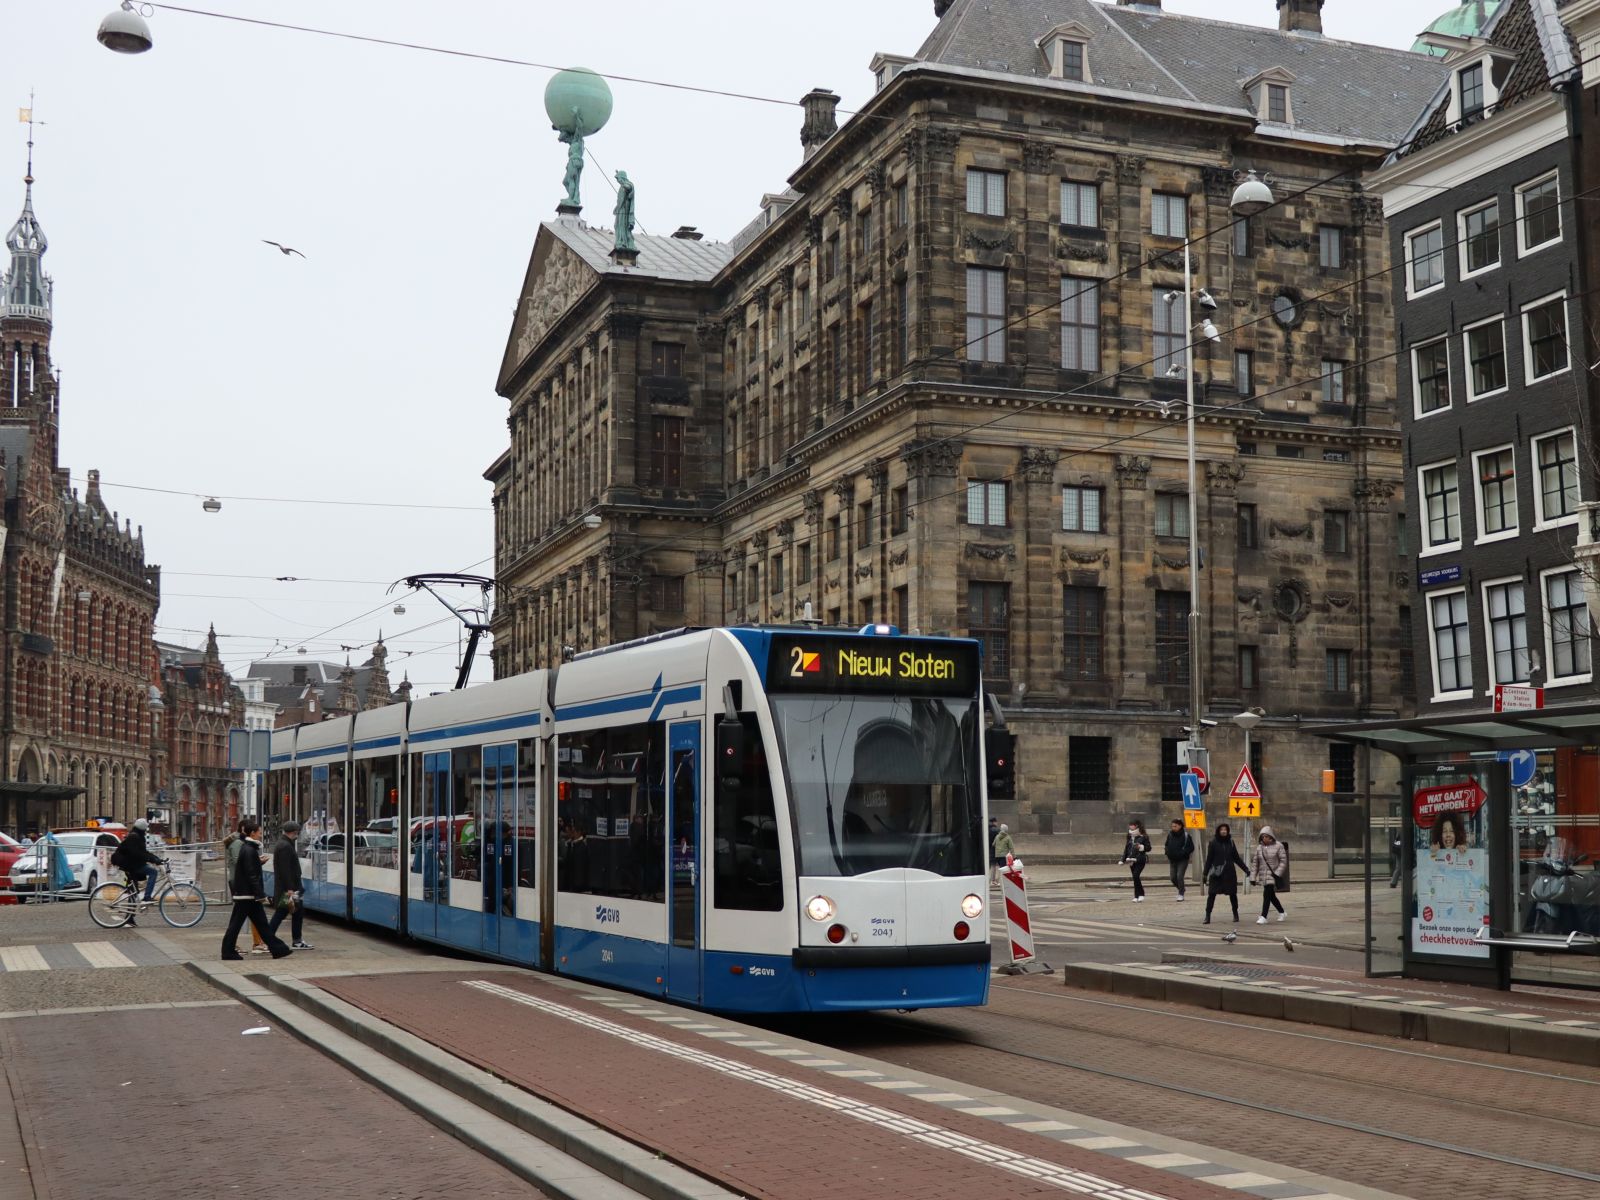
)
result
[(1269, 867), (249, 890), (1222, 856), (1135, 854), (1179, 850), (133, 857)]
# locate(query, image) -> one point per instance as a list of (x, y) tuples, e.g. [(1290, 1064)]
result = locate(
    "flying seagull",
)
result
[(282, 249), (1230, 937)]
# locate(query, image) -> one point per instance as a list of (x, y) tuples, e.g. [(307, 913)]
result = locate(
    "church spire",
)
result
[(27, 288)]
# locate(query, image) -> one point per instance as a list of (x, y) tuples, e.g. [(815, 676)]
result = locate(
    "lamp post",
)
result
[(1247, 720)]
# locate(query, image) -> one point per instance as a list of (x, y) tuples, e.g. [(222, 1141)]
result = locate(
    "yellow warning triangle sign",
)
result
[(1244, 787)]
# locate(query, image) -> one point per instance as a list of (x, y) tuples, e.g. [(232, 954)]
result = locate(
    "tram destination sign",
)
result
[(904, 666)]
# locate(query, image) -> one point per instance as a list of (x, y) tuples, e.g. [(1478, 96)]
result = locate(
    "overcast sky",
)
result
[(195, 358)]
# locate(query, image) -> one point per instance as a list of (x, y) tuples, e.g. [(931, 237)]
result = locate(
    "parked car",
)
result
[(10, 851), (31, 871)]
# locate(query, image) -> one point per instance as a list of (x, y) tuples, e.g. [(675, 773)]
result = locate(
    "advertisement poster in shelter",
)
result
[(1450, 822)]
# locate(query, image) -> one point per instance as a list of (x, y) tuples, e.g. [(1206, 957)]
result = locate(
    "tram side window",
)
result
[(302, 809), (527, 781), (749, 871), (280, 798), (611, 808), (466, 766)]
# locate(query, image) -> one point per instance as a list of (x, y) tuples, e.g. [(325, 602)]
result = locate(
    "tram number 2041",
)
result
[(883, 927)]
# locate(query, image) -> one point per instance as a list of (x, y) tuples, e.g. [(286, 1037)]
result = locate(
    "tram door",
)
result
[(497, 809), (683, 791), (430, 848)]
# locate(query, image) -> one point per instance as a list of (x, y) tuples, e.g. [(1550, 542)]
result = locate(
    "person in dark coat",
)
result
[(1135, 854), (288, 897), (1179, 850), (133, 856), (1222, 857), (249, 892)]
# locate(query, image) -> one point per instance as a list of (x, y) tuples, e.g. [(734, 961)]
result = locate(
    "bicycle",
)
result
[(181, 905)]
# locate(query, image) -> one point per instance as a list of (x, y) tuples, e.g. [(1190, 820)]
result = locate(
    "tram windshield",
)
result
[(883, 781)]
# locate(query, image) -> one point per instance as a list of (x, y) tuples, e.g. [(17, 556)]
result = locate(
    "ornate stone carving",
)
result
[(1004, 242), (814, 228), (1130, 168), (1038, 464), (1171, 562), (813, 503), (877, 473), (1132, 471), (1287, 242), (1086, 557), (898, 253), (941, 456), (942, 142), (708, 333), (1037, 156), (1218, 181), (707, 558), (1087, 251), (899, 557), (1291, 600), (1341, 599), (1373, 495), (758, 540), (1367, 210), (833, 584), (877, 178), (1223, 477), (551, 295), (785, 530), (1289, 529), (591, 340), (1342, 314), (1249, 598), (864, 571), (842, 204), (625, 324), (913, 145), (591, 566), (992, 551), (844, 487)]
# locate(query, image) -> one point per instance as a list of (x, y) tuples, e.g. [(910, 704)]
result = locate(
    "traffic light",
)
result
[(1002, 748)]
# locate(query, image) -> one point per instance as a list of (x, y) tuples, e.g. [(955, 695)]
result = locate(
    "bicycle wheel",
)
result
[(108, 907), (182, 905)]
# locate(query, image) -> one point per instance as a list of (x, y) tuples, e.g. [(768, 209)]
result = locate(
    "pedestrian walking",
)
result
[(288, 897), (1003, 847), (1269, 867), (1135, 854), (249, 893), (230, 854), (1179, 850), (1222, 856)]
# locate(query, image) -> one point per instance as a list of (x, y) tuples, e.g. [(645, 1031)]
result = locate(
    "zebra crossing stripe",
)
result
[(22, 958), (103, 955)]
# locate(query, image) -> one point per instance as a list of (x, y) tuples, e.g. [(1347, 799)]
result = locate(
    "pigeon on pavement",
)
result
[(1288, 945), (282, 249), (1231, 936)]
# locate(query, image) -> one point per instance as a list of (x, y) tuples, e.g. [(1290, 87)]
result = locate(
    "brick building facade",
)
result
[(79, 598), (201, 703), (932, 383)]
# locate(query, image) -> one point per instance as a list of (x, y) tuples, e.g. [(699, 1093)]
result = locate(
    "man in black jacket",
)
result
[(289, 891), (133, 856), (249, 893)]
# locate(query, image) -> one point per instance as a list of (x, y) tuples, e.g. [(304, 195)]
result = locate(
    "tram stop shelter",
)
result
[(1491, 833)]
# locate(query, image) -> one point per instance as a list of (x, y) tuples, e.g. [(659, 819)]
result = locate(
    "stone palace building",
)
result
[(938, 381)]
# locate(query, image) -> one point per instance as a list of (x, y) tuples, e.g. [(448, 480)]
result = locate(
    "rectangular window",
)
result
[(836, 364), (748, 875), (1172, 514), (1342, 762), (1442, 495), (1249, 668), (902, 608), (902, 323), (666, 594), (1089, 770), (1557, 459), (864, 524), (802, 563), (1080, 204), (868, 368), (901, 206), (1330, 245), (899, 510), (1169, 215), (666, 451), (1569, 624), (1452, 642), (1425, 259), (611, 789), (1082, 509), (1277, 103), (1172, 637), (989, 621), (1072, 60), (1247, 527), (865, 614), (1335, 531), (986, 192), (1539, 213), (1544, 338), (1333, 381), (864, 223), (753, 596), (830, 258), (1430, 376), (775, 575), (1470, 82), (1168, 335), (1080, 324), (1505, 612), (986, 502), (986, 314), (1336, 671), (1486, 359), (1282, 451), (1244, 372), (1479, 233), (1497, 492), (1241, 238), (666, 359), (833, 538), (802, 303), (1083, 632)]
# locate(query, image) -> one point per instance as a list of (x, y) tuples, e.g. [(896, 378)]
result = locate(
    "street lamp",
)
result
[(125, 31), (1248, 720)]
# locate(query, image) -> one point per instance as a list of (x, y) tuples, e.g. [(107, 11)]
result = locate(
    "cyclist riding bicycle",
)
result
[(134, 857)]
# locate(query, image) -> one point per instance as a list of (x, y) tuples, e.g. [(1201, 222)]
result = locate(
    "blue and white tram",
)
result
[(742, 819)]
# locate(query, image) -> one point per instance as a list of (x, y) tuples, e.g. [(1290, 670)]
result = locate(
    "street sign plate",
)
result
[(1509, 698), (1244, 806), (1194, 818), (1523, 764), (1244, 786), (1203, 776), (1189, 784)]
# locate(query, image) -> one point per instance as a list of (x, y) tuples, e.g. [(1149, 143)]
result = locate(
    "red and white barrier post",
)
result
[(1019, 929)]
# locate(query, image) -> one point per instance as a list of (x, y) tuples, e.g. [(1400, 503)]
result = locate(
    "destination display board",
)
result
[(903, 666)]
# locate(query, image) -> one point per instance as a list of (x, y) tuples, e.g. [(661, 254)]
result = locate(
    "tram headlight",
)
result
[(819, 909), (972, 905)]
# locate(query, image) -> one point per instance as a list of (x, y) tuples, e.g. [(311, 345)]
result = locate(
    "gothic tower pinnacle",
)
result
[(26, 291)]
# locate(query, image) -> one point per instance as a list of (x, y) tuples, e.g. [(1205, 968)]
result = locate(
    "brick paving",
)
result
[(210, 1113), (726, 1125), (1530, 1109)]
